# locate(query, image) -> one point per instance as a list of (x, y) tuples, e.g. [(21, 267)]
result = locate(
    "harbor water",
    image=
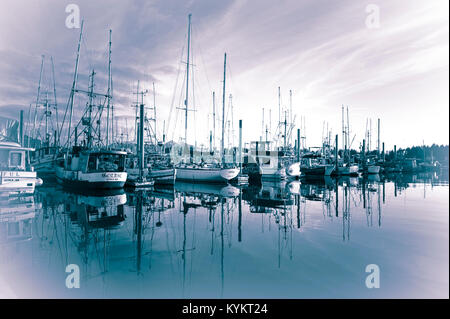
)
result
[(302, 239)]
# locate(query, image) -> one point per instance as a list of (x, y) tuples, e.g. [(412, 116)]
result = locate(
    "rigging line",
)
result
[(193, 94), (179, 103), (203, 60), (175, 90)]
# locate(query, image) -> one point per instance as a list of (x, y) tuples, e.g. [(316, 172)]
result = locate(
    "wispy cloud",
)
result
[(322, 51)]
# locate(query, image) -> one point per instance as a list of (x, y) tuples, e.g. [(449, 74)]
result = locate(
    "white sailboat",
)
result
[(204, 173)]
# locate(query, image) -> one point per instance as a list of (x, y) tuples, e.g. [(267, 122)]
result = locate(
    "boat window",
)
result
[(16, 159), (111, 163), (4, 158)]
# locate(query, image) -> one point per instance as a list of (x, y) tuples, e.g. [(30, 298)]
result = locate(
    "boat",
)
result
[(293, 169), (96, 168), (373, 169), (206, 174), (17, 176), (210, 173), (348, 169)]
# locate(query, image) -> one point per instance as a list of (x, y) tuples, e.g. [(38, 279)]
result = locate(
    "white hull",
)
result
[(268, 172), (293, 169), (209, 175), (103, 180), (17, 182)]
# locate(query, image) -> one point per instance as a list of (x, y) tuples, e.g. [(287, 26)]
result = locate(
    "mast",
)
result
[(154, 112), (74, 84), (214, 119), (109, 90), (56, 103), (91, 95), (186, 102), (343, 132), (279, 105), (223, 107), (348, 138), (38, 93)]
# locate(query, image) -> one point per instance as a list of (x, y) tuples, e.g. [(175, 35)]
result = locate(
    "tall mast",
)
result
[(91, 95), (186, 102), (348, 136), (279, 105), (214, 119), (109, 90), (74, 84), (38, 94), (223, 107), (136, 114), (154, 112), (343, 132), (56, 103)]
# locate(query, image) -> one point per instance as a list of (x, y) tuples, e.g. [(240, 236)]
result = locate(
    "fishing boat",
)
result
[(92, 168), (315, 165), (17, 176)]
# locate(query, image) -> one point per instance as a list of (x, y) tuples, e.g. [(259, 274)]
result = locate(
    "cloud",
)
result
[(321, 51)]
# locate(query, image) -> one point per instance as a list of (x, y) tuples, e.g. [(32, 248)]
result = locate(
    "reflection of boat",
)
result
[(102, 169), (272, 195), (17, 176), (205, 188), (373, 177), (103, 210), (294, 187), (16, 215)]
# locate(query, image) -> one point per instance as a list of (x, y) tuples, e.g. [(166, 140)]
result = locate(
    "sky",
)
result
[(328, 53)]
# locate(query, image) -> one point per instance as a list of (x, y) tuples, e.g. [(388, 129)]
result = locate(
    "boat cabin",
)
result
[(90, 161), (13, 157)]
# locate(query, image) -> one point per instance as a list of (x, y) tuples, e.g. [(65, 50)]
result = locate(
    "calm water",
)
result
[(299, 240)]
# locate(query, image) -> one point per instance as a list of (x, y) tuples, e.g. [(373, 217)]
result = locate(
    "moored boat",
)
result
[(17, 176), (96, 168)]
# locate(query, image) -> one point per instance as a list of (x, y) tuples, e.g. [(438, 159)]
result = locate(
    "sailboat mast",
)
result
[(186, 102), (223, 108)]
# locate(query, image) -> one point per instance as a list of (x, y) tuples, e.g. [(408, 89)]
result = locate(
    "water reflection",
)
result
[(200, 240)]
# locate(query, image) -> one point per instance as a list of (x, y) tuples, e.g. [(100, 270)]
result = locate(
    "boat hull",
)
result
[(322, 170), (99, 180), (348, 170), (208, 175), (293, 170), (271, 173), (17, 182)]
